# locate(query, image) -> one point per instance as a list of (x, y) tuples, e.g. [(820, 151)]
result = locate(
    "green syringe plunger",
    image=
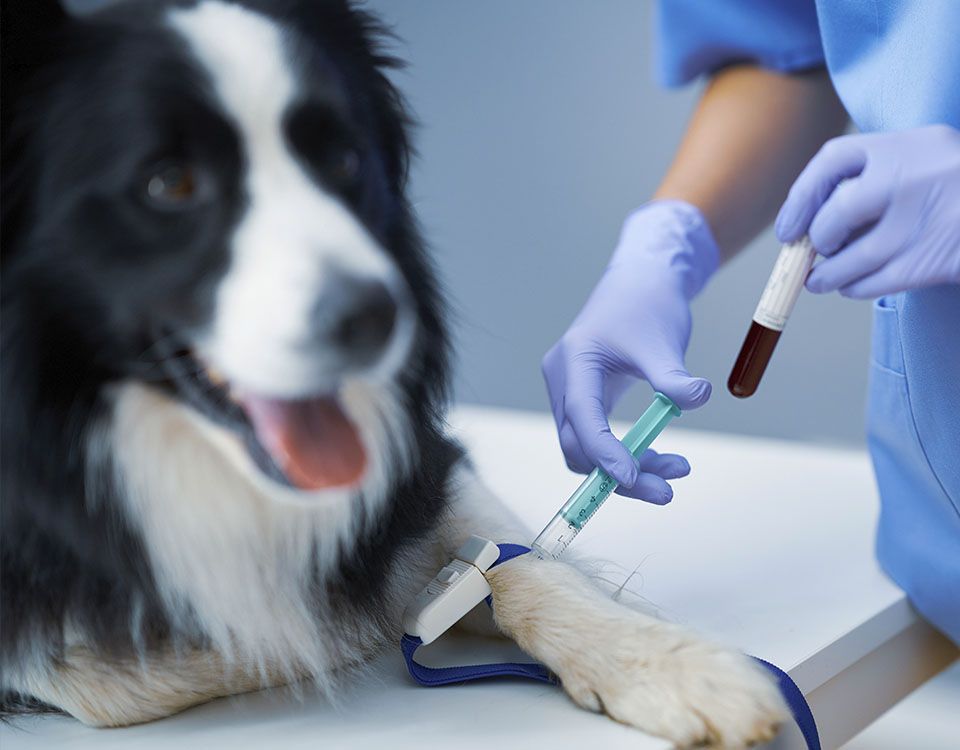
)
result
[(599, 485)]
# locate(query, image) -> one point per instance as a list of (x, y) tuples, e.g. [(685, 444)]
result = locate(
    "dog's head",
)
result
[(213, 202)]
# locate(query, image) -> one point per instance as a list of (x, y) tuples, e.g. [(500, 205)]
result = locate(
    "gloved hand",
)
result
[(892, 224), (636, 324)]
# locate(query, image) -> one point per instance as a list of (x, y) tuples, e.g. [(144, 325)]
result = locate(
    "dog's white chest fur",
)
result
[(236, 557)]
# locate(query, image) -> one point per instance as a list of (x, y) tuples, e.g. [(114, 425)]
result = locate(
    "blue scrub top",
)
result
[(895, 64)]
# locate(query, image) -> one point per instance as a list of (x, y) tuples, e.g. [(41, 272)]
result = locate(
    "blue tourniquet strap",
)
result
[(508, 552), (436, 676), (797, 703)]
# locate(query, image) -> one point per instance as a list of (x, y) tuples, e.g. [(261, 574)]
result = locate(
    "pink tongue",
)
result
[(311, 441)]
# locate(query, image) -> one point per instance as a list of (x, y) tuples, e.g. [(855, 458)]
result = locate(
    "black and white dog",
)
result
[(223, 383)]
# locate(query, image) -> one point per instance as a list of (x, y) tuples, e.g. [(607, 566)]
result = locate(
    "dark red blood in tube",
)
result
[(754, 356)]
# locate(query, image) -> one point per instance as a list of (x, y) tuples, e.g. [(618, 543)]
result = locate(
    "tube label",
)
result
[(784, 285)]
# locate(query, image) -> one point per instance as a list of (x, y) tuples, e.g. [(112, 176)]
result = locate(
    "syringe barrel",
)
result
[(599, 485), (553, 540), (588, 497), (651, 423)]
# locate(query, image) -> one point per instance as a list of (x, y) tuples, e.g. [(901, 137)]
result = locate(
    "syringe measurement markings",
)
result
[(595, 498)]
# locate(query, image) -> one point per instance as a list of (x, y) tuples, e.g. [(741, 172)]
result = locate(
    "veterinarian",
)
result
[(783, 79)]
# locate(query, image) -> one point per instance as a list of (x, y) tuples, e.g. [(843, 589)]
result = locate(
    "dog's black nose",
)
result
[(357, 316)]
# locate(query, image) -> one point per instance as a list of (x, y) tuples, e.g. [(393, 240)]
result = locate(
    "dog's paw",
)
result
[(640, 671), (666, 681)]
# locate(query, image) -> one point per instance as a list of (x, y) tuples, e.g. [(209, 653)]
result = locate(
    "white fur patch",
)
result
[(292, 234), (234, 554)]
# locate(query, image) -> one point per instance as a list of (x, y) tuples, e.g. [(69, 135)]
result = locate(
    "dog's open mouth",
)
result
[(309, 444), (312, 441)]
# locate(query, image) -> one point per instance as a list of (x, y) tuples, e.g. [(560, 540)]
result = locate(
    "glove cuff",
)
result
[(676, 233)]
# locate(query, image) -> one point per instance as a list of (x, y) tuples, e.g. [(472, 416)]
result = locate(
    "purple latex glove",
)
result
[(636, 324), (884, 210)]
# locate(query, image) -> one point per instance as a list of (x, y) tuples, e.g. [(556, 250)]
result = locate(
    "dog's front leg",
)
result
[(102, 691), (641, 671)]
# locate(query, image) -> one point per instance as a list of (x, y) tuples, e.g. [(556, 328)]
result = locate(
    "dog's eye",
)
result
[(174, 185)]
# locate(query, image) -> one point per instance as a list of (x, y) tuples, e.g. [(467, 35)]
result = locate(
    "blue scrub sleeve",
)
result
[(697, 37)]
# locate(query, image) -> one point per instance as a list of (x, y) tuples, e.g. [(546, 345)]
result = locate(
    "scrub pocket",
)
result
[(885, 345), (918, 535)]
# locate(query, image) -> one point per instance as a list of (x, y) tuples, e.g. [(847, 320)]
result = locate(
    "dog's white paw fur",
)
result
[(653, 675)]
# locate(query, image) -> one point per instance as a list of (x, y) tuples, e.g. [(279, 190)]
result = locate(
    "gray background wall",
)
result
[(542, 128)]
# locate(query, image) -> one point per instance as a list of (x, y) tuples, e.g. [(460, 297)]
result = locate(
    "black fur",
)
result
[(89, 277)]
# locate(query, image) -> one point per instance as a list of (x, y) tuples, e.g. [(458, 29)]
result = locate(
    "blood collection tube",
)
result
[(776, 303)]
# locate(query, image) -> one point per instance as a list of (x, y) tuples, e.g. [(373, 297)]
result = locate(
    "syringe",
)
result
[(599, 485)]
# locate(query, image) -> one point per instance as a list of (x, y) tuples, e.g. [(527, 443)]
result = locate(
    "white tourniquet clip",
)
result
[(454, 591)]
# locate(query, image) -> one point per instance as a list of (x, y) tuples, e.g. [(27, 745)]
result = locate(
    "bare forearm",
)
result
[(751, 134)]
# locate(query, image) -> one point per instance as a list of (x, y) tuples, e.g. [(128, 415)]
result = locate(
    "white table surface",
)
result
[(766, 546)]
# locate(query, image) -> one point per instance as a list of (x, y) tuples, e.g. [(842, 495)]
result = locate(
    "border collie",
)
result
[(223, 378)]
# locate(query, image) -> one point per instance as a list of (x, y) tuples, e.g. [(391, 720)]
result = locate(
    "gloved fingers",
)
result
[(669, 376), (572, 450), (586, 414), (648, 487), (554, 367), (664, 465), (901, 273), (884, 281), (852, 206), (838, 159), (860, 258)]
